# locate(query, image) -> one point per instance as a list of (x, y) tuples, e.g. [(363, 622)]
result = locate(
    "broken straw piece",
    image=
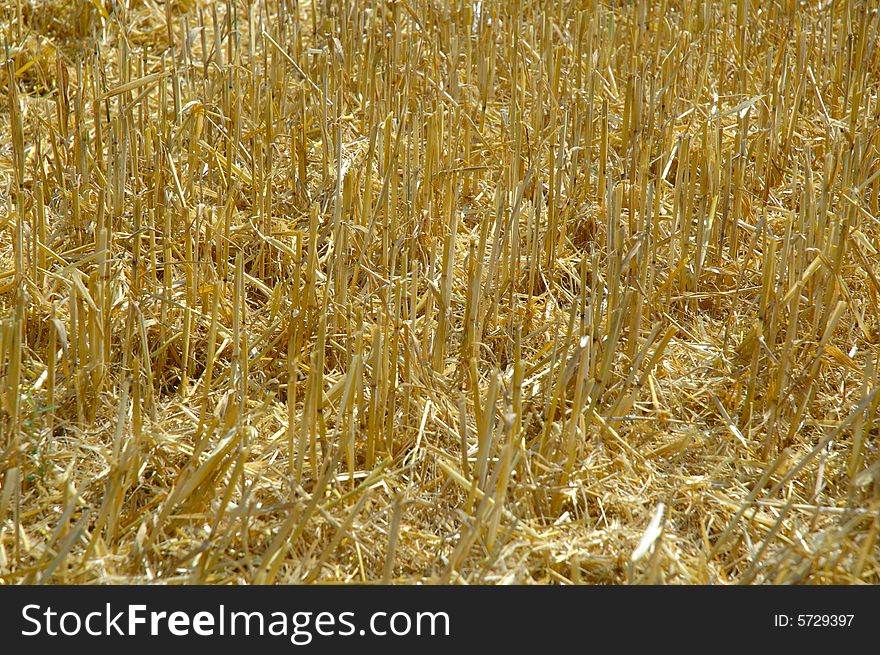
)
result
[(653, 531)]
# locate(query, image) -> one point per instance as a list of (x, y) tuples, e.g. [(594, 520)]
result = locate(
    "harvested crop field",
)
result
[(457, 292)]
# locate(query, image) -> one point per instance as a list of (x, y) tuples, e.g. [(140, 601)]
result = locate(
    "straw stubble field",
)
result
[(422, 291)]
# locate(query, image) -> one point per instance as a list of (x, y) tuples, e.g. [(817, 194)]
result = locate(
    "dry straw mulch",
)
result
[(509, 291)]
